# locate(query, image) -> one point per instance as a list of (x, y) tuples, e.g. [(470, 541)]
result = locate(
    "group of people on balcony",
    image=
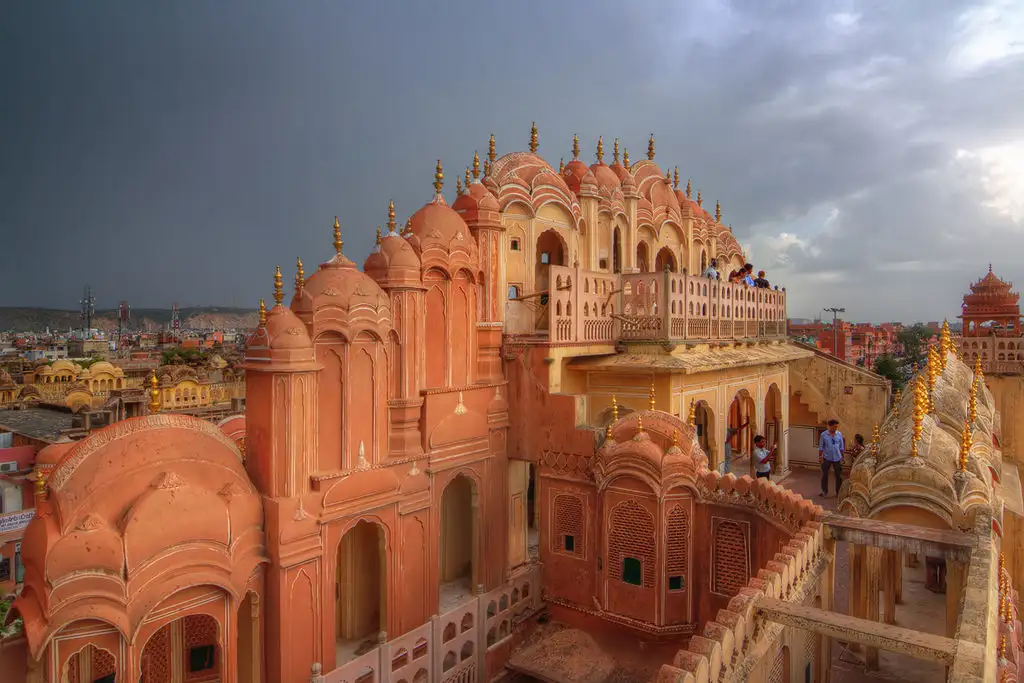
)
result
[(744, 275)]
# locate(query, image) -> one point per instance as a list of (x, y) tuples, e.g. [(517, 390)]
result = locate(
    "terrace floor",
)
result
[(921, 610)]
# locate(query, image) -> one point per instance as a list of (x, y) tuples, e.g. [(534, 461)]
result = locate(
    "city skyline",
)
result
[(167, 155)]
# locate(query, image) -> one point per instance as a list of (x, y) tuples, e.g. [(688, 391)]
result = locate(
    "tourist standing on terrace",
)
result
[(830, 455), (729, 433), (711, 271), (763, 457)]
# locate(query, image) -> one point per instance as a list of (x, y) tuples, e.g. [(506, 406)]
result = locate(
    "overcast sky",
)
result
[(868, 154)]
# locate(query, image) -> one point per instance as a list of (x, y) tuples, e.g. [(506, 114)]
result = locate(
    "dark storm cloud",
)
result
[(178, 152)]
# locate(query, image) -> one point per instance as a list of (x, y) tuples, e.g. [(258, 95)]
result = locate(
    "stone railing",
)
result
[(999, 355), (450, 648), (728, 648)]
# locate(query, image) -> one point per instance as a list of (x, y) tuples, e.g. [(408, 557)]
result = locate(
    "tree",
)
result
[(913, 340), (888, 367)]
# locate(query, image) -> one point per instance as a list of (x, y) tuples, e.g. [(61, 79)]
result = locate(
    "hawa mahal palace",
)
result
[(516, 409)]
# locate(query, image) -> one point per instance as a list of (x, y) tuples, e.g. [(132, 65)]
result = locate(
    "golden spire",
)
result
[(1007, 605), (40, 485), (476, 165), (650, 148), (154, 394), (933, 373), (615, 409), (533, 138), (639, 424), (615, 152), (338, 244), (625, 159), (650, 396), (263, 313), (965, 446), (979, 376), (946, 341), (691, 419), (668, 176), (391, 215), (675, 438), (487, 166), (1002, 646), (876, 438), (920, 405), (491, 153), (608, 432), (972, 403), (468, 178), (700, 200), (438, 178), (278, 292), (600, 150), (300, 275), (458, 185), (689, 188), (575, 147), (718, 212), (408, 226), (379, 238), (561, 166), (675, 178)]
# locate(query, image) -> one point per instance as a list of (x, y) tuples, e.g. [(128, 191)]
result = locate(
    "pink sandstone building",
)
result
[(518, 405)]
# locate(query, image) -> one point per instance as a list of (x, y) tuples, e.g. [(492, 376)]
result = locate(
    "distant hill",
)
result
[(148, 319)]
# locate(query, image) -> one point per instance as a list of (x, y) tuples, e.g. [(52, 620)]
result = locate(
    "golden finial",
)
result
[(476, 165), (263, 313), (979, 376), (650, 396), (876, 439), (468, 178), (933, 373), (675, 178), (338, 244), (1002, 646), (625, 159), (408, 226), (561, 166), (487, 166), (675, 438), (615, 409), (154, 394), (491, 154), (700, 200), (972, 403), (946, 341), (965, 446), (608, 432), (40, 485), (668, 176), (278, 292), (438, 177), (1007, 606), (379, 238), (650, 148), (689, 188), (300, 275), (615, 152), (458, 185), (533, 138), (639, 424), (391, 215), (718, 212), (575, 147), (600, 150), (920, 405), (691, 419)]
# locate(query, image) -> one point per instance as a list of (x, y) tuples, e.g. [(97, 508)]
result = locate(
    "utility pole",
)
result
[(88, 304), (835, 328)]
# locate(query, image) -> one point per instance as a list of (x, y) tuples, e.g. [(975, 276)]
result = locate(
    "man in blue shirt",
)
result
[(830, 455)]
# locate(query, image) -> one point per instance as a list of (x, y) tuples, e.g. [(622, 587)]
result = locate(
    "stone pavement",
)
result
[(921, 610)]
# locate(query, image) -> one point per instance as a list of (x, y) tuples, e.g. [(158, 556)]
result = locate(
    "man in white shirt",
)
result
[(711, 271), (763, 457)]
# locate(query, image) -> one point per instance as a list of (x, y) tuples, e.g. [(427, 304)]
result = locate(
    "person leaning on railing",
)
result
[(711, 272)]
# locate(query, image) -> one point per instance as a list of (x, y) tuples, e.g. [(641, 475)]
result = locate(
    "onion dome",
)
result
[(394, 260), (477, 201), (281, 335), (436, 221)]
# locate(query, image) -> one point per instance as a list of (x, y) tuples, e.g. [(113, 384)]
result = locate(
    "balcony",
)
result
[(1000, 355), (576, 306)]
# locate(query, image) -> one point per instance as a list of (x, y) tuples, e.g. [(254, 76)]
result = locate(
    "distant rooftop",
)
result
[(38, 423)]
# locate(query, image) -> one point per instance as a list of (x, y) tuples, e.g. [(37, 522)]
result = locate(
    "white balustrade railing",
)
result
[(450, 648)]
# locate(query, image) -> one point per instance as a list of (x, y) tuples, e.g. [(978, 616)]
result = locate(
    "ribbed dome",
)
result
[(394, 260), (437, 221)]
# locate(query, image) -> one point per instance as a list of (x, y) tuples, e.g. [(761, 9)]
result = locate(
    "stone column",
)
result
[(872, 567), (956, 575)]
